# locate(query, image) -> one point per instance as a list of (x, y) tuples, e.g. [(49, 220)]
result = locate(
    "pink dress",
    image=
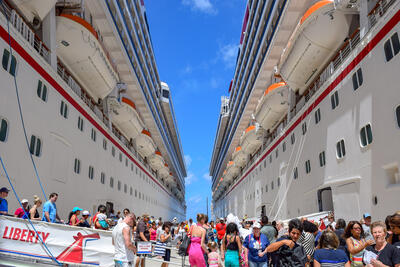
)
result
[(213, 259), (196, 256)]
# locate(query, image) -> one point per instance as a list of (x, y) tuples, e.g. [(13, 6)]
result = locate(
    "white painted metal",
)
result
[(252, 139)]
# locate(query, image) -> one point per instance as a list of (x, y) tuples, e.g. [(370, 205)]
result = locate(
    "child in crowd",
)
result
[(102, 218), (214, 259)]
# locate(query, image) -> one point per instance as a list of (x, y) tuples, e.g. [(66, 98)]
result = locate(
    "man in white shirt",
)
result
[(122, 240)]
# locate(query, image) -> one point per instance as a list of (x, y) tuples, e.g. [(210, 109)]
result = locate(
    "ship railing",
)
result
[(18, 22), (381, 7)]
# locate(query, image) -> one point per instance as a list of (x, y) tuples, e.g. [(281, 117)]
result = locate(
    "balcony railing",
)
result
[(376, 13)]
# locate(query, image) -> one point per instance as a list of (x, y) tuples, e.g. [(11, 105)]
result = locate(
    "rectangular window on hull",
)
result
[(366, 135), (340, 149), (304, 128), (317, 116), (391, 47), (104, 144), (93, 135), (42, 91), (335, 99), (103, 178), (80, 123), (295, 173), (64, 109), (292, 138), (308, 166), (7, 65), (357, 79), (111, 182), (91, 172), (3, 130), (35, 146), (322, 161), (77, 166)]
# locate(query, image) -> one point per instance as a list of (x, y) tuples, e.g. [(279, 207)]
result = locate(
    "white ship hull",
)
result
[(365, 179), (134, 186)]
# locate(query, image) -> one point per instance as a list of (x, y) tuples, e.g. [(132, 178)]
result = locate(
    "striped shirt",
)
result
[(331, 257), (307, 241)]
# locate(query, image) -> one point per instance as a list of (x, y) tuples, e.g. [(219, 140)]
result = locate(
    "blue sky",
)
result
[(195, 43)]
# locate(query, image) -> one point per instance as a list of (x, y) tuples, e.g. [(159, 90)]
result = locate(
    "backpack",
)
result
[(295, 257), (183, 249)]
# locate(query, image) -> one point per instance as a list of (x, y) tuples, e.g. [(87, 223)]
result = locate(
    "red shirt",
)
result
[(220, 227), (20, 212)]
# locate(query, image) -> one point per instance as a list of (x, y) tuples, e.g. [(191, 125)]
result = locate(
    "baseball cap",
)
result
[(76, 209), (85, 212), (24, 201), (4, 189), (257, 225), (366, 215)]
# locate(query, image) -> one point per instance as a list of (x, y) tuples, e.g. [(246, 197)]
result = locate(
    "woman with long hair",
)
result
[(328, 254), (356, 243), (231, 246), (73, 216), (394, 224), (197, 245), (33, 212)]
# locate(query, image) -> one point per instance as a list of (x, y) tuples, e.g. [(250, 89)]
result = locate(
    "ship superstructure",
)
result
[(94, 107), (313, 112)]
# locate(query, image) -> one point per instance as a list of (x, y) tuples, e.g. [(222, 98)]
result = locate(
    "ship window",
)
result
[(64, 109), (279, 181), (111, 182), (132, 167), (103, 178), (272, 185), (113, 151), (77, 166), (391, 47), (126, 162), (366, 135), (165, 93), (265, 164), (35, 146), (270, 158), (276, 153), (91, 172), (357, 79), (322, 159), (80, 123), (42, 91), (93, 135), (304, 128), (308, 166), (335, 99), (284, 146), (292, 138), (3, 130), (131, 191), (125, 188), (295, 173), (104, 144), (317, 116), (120, 156), (340, 149), (10, 67), (119, 185)]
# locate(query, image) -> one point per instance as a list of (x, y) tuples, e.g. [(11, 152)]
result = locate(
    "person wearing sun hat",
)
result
[(256, 243), (366, 226), (84, 221), (22, 212), (73, 216)]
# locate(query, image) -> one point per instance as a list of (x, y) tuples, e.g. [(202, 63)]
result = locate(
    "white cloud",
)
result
[(188, 160), (190, 178), (195, 199), (207, 176), (228, 54), (201, 5)]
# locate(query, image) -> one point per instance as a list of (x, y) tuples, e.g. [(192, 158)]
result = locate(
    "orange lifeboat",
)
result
[(80, 50), (231, 171), (156, 161), (239, 157), (252, 139), (125, 116), (273, 105), (319, 34), (144, 144)]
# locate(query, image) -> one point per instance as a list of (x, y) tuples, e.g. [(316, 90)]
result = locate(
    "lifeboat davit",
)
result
[(317, 37), (144, 144), (239, 157), (35, 8), (80, 50), (231, 171), (252, 139), (156, 161), (125, 116), (164, 171), (273, 105)]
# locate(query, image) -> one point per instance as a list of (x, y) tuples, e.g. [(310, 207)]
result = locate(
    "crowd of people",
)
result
[(300, 242), (231, 242)]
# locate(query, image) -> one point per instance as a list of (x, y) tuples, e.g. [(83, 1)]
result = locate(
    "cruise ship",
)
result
[(311, 122), (83, 111)]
